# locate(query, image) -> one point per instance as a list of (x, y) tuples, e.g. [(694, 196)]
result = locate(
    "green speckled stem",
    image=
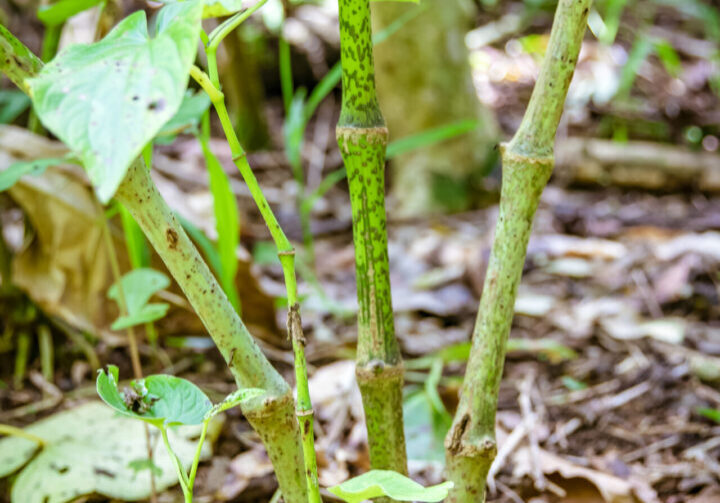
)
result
[(527, 165), (16, 60), (362, 137), (272, 415)]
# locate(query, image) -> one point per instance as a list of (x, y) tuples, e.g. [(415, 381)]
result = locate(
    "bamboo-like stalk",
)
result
[(362, 137), (527, 164), (271, 415)]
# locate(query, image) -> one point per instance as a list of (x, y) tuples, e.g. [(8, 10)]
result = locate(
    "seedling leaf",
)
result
[(709, 413), (218, 8), (17, 170), (107, 100), (138, 286), (233, 399), (147, 314), (188, 116), (161, 400), (377, 483)]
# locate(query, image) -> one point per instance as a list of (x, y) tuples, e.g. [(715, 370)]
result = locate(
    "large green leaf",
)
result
[(377, 483), (161, 400), (108, 99), (91, 450)]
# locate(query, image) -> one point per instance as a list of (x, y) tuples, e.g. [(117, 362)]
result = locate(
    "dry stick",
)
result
[(527, 164), (271, 415), (362, 137)]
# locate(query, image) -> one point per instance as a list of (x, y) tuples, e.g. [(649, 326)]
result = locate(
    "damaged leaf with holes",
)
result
[(107, 100)]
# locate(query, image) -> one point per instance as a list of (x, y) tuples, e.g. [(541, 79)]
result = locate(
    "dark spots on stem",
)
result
[(172, 238)]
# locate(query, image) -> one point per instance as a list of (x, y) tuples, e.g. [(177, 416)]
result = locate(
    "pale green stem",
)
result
[(362, 137), (198, 452), (182, 476), (527, 165), (47, 359)]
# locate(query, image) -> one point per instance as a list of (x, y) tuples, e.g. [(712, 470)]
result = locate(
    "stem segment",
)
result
[(286, 253), (362, 137), (527, 165)]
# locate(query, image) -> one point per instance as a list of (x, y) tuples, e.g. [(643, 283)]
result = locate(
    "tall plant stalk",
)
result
[(271, 415), (362, 137), (527, 164)]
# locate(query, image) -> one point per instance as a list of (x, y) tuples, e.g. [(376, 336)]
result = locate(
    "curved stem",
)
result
[(198, 452), (286, 253), (182, 476)]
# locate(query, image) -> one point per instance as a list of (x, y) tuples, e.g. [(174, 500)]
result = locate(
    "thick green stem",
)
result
[(527, 165), (272, 416), (362, 137)]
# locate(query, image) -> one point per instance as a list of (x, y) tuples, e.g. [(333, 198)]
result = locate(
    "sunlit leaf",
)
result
[(107, 100), (377, 483)]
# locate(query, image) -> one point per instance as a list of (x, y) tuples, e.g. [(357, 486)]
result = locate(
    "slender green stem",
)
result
[(222, 31), (198, 452), (182, 476), (286, 253), (132, 340), (22, 353), (47, 359), (362, 137), (527, 164)]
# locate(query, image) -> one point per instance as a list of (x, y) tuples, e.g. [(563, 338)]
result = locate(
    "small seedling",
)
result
[(165, 401)]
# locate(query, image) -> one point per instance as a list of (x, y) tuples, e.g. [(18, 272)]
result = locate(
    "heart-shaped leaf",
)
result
[(138, 286), (377, 483), (161, 400), (107, 100)]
